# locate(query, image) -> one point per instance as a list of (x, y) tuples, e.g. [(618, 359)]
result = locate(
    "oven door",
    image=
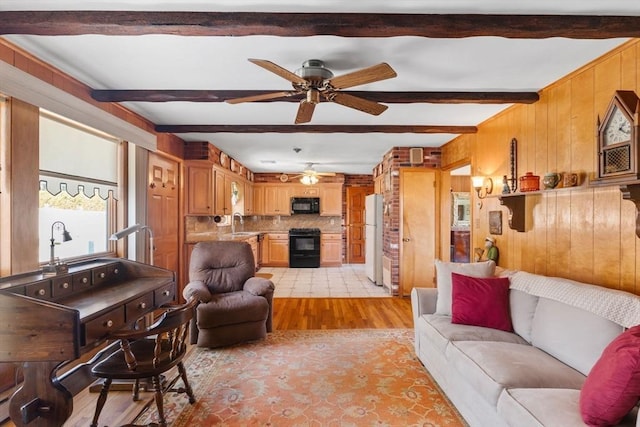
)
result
[(304, 245)]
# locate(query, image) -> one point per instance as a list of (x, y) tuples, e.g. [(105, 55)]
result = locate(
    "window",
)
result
[(78, 188)]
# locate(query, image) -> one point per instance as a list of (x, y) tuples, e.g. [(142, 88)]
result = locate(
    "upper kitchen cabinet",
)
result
[(331, 200), (277, 199), (299, 190), (199, 188), (222, 193)]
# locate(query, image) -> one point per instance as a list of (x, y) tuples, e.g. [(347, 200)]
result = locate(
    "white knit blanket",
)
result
[(620, 307)]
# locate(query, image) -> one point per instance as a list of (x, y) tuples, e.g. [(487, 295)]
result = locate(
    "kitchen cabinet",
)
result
[(300, 190), (247, 198), (253, 241), (276, 253), (258, 199), (222, 193), (330, 249), (277, 200), (199, 189), (331, 200)]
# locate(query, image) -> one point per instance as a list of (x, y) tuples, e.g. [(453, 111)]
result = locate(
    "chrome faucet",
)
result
[(233, 221)]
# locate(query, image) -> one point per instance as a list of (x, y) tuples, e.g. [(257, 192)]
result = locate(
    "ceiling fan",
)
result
[(309, 175), (315, 80)]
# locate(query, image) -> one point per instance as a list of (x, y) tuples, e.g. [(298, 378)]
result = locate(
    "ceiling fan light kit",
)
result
[(313, 79)]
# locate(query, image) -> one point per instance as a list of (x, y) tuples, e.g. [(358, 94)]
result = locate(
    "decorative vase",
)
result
[(529, 182), (550, 180)]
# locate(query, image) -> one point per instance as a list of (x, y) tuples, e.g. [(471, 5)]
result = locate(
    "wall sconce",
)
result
[(134, 229), (482, 183), (309, 179), (53, 267)]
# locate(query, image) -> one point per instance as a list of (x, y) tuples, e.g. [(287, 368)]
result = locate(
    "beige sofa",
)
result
[(532, 376)]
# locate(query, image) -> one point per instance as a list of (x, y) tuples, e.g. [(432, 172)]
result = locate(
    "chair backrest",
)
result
[(223, 266), (170, 332)]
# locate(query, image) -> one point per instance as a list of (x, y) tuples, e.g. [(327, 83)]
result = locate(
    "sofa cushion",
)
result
[(443, 279), (573, 335), (537, 407), (490, 367), (481, 301), (612, 387), (439, 331), (523, 307)]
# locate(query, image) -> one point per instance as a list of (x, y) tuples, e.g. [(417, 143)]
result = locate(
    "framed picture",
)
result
[(495, 222)]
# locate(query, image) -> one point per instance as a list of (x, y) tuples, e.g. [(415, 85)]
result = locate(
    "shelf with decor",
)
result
[(515, 202)]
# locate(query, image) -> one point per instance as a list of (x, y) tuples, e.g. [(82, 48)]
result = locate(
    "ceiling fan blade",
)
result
[(358, 103), (305, 111), (276, 69), (326, 173), (372, 74), (261, 97)]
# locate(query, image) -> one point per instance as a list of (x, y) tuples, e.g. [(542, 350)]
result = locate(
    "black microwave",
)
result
[(305, 205)]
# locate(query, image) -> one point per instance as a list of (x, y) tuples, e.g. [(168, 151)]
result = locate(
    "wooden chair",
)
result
[(146, 354)]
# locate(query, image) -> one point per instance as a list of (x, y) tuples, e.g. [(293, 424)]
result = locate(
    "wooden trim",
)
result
[(316, 129), (159, 95), (55, 23)]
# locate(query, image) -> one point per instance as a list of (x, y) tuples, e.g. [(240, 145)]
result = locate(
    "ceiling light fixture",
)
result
[(309, 179)]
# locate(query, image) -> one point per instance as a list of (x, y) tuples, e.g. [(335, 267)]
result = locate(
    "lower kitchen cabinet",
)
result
[(331, 249), (276, 250)]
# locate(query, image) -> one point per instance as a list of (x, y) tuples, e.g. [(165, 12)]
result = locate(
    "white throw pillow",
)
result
[(443, 279)]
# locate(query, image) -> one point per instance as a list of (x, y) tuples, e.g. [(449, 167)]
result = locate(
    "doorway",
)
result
[(355, 227), (459, 214)]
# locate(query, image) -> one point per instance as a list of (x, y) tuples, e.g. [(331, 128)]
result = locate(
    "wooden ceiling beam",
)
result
[(57, 23), (384, 97), (316, 129)]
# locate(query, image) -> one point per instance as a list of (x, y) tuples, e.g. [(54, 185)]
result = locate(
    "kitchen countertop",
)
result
[(210, 236), (204, 236)]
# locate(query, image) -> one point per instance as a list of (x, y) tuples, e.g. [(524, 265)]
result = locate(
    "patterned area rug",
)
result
[(361, 377)]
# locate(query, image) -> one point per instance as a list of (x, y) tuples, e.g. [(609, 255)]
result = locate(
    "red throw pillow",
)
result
[(481, 301), (612, 388)]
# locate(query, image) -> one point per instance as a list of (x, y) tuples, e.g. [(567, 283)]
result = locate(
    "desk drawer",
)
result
[(139, 307), (165, 295), (40, 290), (81, 280), (98, 328), (61, 286)]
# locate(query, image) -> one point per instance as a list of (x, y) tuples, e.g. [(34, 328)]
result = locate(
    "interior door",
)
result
[(418, 228), (163, 210), (355, 224)]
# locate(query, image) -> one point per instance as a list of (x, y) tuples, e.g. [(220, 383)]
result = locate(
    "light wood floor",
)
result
[(288, 314)]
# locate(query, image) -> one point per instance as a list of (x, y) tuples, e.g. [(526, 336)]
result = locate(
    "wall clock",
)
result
[(618, 139)]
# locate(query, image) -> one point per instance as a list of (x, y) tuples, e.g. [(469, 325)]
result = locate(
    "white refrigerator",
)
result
[(373, 238)]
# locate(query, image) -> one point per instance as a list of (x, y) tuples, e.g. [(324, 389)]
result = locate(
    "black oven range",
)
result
[(304, 247)]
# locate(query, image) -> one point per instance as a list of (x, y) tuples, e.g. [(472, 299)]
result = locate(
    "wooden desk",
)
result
[(50, 321)]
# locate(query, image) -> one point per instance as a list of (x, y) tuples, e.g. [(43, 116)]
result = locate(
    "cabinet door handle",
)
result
[(143, 305), (406, 239), (108, 323)]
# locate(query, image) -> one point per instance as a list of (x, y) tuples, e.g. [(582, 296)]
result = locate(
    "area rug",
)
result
[(363, 377)]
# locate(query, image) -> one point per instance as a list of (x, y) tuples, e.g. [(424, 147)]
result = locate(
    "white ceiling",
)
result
[(422, 64)]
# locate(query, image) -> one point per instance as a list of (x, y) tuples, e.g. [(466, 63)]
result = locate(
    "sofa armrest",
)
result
[(198, 290), (423, 301), (259, 286)]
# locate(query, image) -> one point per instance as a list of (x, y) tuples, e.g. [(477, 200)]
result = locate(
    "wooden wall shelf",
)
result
[(631, 192), (516, 204)]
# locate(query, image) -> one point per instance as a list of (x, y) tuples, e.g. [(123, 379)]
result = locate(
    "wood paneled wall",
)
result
[(586, 234)]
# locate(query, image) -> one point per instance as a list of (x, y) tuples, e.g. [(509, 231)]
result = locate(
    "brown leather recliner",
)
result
[(235, 306)]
